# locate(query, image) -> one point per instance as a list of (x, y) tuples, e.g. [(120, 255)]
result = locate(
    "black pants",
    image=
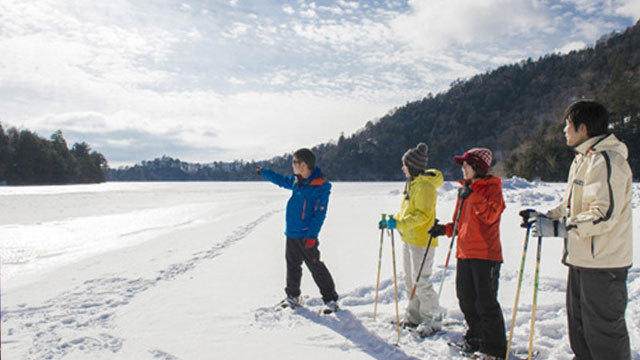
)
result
[(477, 290), (596, 302), (297, 252)]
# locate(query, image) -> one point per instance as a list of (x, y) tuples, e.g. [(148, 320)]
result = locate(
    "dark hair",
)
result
[(306, 156), (480, 173), (590, 113)]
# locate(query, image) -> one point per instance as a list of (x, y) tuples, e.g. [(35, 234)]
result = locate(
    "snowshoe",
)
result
[(425, 330), (523, 354), (405, 324), (482, 356), (330, 307), (290, 302), (464, 347)]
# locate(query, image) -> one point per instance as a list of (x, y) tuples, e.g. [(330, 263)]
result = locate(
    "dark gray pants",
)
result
[(596, 302), (477, 291), (297, 252)]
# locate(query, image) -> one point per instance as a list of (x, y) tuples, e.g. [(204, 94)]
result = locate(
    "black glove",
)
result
[(527, 215), (258, 170), (464, 192), (437, 230)]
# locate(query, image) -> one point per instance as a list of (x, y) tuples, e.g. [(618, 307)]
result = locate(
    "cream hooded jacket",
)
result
[(597, 206)]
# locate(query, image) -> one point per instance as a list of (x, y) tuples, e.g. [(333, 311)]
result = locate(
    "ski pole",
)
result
[(395, 283), (453, 238), (375, 307), (525, 223), (535, 296), (424, 258)]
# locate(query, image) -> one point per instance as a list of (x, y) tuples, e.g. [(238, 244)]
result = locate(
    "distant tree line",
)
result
[(515, 110), (28, 159), (169, 169)]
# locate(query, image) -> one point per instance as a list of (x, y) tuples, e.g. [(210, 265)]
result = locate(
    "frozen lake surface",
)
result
[(191, 271)]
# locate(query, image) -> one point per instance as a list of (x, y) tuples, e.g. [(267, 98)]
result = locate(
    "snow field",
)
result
[(207, 289)]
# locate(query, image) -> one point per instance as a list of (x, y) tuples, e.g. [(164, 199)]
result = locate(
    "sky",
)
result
[(224, 80)]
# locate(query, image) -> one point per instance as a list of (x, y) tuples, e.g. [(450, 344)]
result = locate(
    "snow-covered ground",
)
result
[(192, 271)]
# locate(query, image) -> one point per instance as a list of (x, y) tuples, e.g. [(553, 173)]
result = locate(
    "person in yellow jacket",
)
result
[(416, 216)]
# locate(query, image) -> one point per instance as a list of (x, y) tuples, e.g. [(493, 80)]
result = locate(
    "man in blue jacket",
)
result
[(306, 211)]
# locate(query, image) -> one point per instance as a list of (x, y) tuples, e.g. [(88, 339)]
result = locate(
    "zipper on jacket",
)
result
[(317, 203), (304, 206), (593, 252)]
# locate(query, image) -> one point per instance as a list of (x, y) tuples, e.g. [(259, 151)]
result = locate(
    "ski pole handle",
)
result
[(383, 221), (525, 215)]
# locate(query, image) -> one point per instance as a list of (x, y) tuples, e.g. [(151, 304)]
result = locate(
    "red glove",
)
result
[(309, 243), (258, 170)]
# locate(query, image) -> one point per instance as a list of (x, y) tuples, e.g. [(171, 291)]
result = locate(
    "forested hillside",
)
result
[(514, 110), (28, 159)]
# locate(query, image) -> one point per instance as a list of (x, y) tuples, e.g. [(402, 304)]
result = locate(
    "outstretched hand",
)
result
[(258, 170)]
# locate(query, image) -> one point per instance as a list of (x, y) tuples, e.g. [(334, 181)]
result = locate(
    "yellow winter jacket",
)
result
[(418, 209)]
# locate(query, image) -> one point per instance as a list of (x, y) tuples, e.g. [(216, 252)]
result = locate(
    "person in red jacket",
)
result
[(479, 254)]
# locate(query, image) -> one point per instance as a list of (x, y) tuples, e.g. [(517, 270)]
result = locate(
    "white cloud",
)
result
[(349, 4), (309, 13), (437, 24), (238, 29), (219, 82), (234, 80), (630, 8), (287, 9), (567, 48)]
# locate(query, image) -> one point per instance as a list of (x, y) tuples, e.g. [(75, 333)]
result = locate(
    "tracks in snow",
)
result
[(80, 319)]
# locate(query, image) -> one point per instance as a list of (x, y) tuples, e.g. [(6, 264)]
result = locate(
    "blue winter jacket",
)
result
[(307, 207)]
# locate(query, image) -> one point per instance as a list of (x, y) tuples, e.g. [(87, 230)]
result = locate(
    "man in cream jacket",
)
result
[(598, 235)]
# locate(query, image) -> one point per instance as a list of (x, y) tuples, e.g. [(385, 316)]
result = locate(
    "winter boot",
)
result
[(424, 330), (483, 356), (406, 324), (467, 345), (330, 307), (290, 302)]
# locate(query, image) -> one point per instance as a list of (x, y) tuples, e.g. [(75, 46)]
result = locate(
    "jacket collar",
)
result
[(490, 179), (314, 179), (590, 144)]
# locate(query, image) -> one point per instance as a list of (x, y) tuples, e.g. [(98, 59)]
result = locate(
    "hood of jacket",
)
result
[(603, 143), (431, 176)]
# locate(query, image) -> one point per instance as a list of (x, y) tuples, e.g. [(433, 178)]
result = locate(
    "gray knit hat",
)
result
[(417, 158)]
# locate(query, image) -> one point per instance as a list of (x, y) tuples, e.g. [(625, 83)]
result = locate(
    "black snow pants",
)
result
[(477, 291), (297, 251), (596, 303)]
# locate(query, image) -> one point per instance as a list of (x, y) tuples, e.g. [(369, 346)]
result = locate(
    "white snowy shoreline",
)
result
[(190, 271)]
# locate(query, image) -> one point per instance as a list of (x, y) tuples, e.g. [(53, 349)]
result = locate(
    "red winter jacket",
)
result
[(479, 226)]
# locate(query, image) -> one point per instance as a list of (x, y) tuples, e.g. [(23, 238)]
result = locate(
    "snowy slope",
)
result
[(192, 270)]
